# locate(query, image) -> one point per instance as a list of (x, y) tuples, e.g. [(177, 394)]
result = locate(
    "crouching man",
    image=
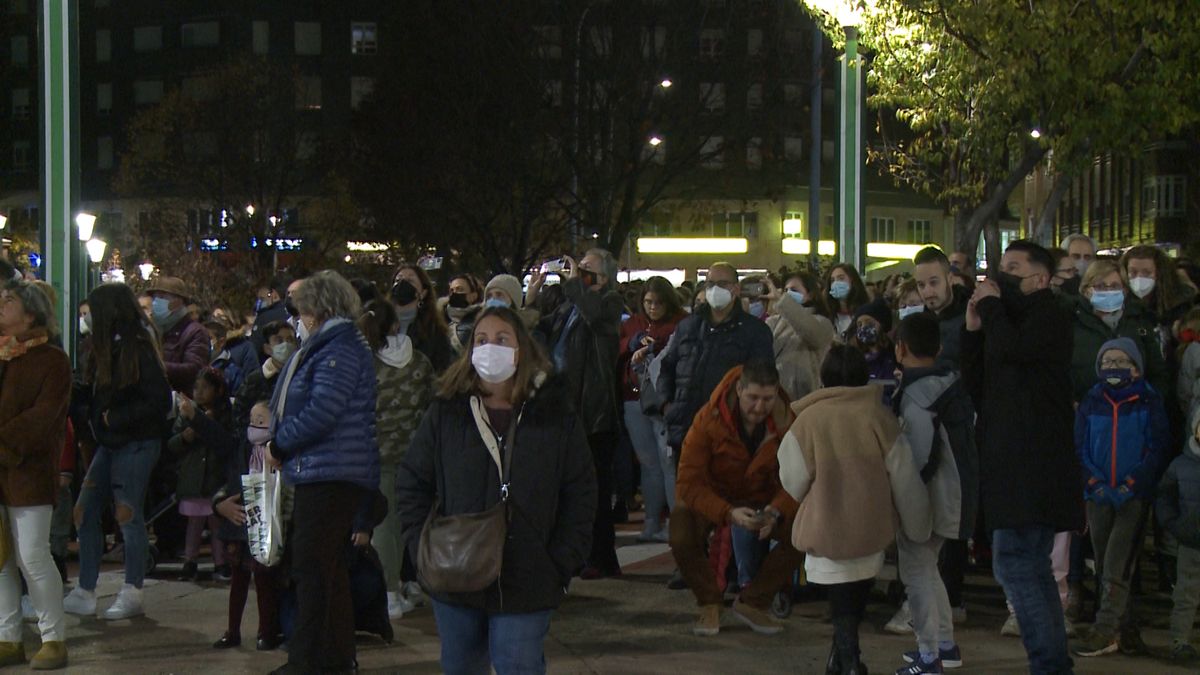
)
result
[(728, 474)]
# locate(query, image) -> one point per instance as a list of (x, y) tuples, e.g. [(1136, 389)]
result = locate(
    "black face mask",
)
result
[(458, 300), (1010, 285), (587, 277), (404, 293), (290, 307), (1070, 286)]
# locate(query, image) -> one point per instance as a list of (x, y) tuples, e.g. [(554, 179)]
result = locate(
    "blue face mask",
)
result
[(258, 305), (1108, 301), (1117, 378), (839, 290), (160, 308), (797, 296), (757, 310), (495, 302)]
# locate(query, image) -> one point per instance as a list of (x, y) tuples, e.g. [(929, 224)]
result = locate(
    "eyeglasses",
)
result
[(1107, 287), (1116, 363)]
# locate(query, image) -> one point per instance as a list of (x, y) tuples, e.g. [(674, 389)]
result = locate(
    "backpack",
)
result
[(953, 412)]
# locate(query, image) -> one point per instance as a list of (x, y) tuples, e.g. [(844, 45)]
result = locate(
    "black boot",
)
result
[(834, 665), (845, 638)]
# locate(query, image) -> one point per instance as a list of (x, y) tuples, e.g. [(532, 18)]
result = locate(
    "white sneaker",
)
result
[(395, 608), (901, 623), (413, 595), (128, 604), (80, 601), (1011, 628)]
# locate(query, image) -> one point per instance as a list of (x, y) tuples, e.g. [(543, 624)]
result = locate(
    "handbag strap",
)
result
[(509, 440)]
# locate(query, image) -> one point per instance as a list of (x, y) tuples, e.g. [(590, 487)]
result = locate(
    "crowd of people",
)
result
[(781, 430)]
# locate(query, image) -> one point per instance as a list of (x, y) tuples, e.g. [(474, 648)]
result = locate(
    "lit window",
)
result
[(882, 229), (364, 38), (919, 231)]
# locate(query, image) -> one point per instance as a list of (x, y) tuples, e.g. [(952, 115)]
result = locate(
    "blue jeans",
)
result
[(1021, 562), (122, 476), (472, 640), (649, 438), (748, 553)]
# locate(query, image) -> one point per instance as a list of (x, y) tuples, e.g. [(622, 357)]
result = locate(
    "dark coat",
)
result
[(592, 349), (33, 419), (699, 356), (203, 461), (553, 494), (186, 349), (327, 430), (1091, 333), (1178, 504), (951, 320), (266, 315), (435, 347), (137, 412), (237, 360), (1018, 371)]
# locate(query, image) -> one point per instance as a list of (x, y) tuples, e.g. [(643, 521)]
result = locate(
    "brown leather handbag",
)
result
[(464, 553)]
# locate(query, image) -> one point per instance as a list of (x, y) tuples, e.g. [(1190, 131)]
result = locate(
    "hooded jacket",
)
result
[(1017, 368), (700, 355), (718, 472), (552, 493), (954, 485), (1121, 436), (847, 464), (802, 339), (1178, 503)]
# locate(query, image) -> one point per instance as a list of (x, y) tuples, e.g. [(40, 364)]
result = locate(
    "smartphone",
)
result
[(554, 265), (753, 289)]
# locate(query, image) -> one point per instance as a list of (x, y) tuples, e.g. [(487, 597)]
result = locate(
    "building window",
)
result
[(364, 38), (260, 36), (882, 229), (147, 38), (22, 156), (104, 153), (20, 104), (827, 151), (793, 93), (793, 222), (554, 93), (360, 89), (103, 45), (20, 50), (655, 225), (754, 96), (734, 223), (793, 148), (18, 6), (712, 43), (754, 153), (205, 34), (712, 152), (793, 41), (754, 42), (600, 39), (308, 93), (549, 41), (919, 231), (103, 98), (147, 92), (308, 38), (712, 97), (654, 43), (1164, 197)]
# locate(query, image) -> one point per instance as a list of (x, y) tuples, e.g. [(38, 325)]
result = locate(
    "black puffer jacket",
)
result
[(593, 346), (553, 494), (699, 356), (1018, 370)]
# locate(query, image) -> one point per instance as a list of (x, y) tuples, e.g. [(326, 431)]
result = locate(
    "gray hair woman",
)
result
[(34, 393), (323, 432)]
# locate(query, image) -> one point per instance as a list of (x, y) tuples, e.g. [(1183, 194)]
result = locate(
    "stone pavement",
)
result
[(628, 625)]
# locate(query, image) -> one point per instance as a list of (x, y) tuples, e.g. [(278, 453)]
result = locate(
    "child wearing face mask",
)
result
[(249, 458), (1178, 510), (869, 334), (1121, 436)]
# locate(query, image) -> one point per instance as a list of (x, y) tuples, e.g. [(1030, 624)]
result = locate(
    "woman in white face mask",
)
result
[(500, 399)]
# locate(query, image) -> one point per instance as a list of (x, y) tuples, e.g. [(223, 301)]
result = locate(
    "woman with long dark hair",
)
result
[(416, 307), (130, 400), (846, 294), (643, 336)]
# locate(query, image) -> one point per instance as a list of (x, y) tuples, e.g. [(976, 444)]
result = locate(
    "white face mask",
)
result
[(494, 363), (909, 310), (718, 298), (1141, 286), (85, 324)]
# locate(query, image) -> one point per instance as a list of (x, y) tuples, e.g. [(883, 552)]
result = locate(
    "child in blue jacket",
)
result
[(1121, 435)]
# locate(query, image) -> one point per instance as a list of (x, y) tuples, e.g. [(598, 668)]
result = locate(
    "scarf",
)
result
[(172, 320), (398, 351), (11, 347)]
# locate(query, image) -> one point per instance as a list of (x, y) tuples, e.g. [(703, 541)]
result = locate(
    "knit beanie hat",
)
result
[(510, 285), (1126, 345), (876, 309)]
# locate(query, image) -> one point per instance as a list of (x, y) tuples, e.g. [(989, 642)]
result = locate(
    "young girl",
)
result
[(228, 504), (872, 324), (202, 441)]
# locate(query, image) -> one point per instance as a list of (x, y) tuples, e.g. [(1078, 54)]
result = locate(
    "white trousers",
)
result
[(29, 551)]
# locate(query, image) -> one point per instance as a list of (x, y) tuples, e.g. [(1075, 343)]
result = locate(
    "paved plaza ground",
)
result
[(628, 625)]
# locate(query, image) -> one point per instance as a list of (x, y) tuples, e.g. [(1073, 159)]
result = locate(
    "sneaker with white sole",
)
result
[(397, 605), (412, 594), (1011, 628), (80, 601), (127, 605), (901, 623)]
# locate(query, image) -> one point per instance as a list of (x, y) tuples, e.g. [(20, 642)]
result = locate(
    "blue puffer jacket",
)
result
[(327, 430), (1121, 436)]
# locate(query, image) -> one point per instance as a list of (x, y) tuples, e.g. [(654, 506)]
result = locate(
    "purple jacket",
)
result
[(185, 352)]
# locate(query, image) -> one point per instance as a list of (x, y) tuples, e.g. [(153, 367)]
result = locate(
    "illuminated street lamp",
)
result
[(655, 141), (1035, 133), (95, 249), (666, 83), (3, 221), (86, 223), (147, 270), (250, 210)]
